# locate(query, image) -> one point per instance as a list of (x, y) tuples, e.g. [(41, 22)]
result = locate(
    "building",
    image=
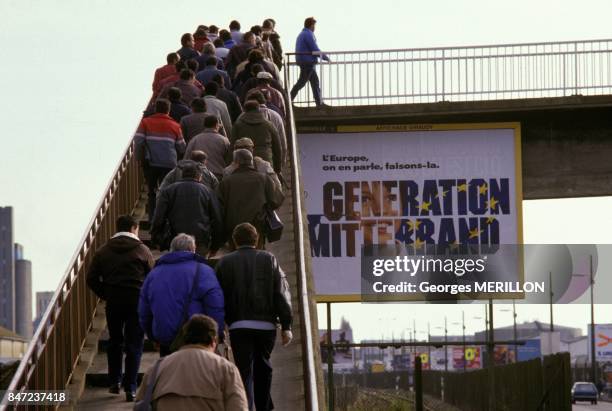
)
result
[(15, 280), (43, 299), (344, 357), (12, 346), (530, 330), (23, 294), (7, 270)]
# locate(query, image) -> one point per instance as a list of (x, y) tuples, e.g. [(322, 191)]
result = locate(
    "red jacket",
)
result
[(171, 80), (162, 73), (159, 141)]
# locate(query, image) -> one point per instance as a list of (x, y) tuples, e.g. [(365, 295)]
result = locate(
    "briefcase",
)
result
[(273, 226)]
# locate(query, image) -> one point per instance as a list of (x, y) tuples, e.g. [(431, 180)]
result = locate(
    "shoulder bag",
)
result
[(179, 340)]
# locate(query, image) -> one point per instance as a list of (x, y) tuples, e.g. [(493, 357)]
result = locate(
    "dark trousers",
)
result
[(154, 177), (125, 336), (308, 74), (252, 349), (164, 350)]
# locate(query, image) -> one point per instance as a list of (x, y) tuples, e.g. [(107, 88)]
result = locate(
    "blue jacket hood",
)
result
[(178, 257)]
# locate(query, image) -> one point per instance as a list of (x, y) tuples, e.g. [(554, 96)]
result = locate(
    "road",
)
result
[(585, 406)]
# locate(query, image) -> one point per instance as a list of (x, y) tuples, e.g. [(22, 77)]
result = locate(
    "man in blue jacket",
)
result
[(170, 287), (307, 55)]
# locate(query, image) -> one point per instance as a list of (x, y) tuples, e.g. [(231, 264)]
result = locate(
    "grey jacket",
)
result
[(277, 121), (262, 166), (215, 145), (219, 108), (208, 178)]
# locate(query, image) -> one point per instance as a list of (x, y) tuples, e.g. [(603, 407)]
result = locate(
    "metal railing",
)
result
[(309, 340), (54, 350), (473, 73)]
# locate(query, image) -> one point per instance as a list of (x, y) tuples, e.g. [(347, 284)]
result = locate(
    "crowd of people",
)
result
[(212, 146)]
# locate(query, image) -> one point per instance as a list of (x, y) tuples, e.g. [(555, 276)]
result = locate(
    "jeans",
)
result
[(154, 177), (252, 349), (308, 74), (125, 336)]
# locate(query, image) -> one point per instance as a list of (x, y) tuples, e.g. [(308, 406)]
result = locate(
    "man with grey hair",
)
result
[(196, 158), (216, 146), (246, 194), (190, 207), (261, 165), (180, 285)]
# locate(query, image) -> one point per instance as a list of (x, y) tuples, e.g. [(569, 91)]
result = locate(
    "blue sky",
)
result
[(75, 76)]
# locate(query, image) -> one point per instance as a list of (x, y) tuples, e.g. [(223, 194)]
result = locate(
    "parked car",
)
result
[(584, 391)]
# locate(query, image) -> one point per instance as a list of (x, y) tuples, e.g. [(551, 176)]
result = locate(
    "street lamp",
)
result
[(514, 328), (429, 345), (445, 343), (463, 336), (592, 283), (552, 327)]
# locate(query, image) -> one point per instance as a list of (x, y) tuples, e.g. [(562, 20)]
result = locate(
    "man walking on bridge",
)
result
[(158, 145), (117, 272), (255, 302), (307, 55), (181, 284)]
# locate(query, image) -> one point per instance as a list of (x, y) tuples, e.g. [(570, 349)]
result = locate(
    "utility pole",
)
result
[(463, 330), (593, 356), (491, 356), (514, 329), (552, 327), (429, 346), (414, 333), (330, 362), (486, 307), (445, 345), (491, 337)]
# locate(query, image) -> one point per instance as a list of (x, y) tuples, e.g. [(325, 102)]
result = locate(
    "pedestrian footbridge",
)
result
[(67, 350)]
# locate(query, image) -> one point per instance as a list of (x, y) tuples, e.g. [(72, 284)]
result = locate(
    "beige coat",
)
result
[(196, 379)]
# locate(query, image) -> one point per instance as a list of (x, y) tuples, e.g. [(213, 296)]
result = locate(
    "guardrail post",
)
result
[(330, 361), (576, 68), (443, 78), (418, 384)]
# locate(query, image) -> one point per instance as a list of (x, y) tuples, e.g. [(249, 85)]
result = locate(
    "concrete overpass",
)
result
[(566, 141)]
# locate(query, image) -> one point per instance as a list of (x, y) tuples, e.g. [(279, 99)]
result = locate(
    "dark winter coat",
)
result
[(267, 142), (118, 269), (251, 282)]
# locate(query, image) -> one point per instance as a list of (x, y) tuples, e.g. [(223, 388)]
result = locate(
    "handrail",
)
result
[(465, 73), (483, 46), (55, 347), (309, 365)]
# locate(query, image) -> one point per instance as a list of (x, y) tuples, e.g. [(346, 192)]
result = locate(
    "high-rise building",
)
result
[(23, 294), (43, 298), (15, 280), (7, 270)]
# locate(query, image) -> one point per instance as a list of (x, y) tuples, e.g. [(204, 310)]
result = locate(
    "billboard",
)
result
[(473, 359), (343, 355), (530, 350), (603, 343), (409, 185)]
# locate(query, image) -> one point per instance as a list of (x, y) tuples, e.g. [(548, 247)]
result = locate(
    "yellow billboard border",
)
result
[(518, 175)]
